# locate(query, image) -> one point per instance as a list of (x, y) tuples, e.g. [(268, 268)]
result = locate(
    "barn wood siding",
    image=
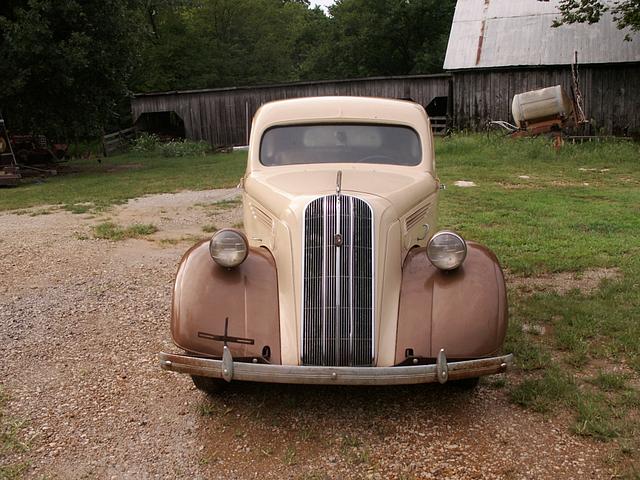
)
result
[(218, 116), (611, 95)]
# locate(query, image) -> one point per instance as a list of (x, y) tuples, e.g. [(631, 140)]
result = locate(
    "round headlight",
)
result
[(229, 248), (447, 250)]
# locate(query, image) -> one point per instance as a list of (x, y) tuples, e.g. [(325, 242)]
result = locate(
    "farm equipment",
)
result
[(9, 170), (37, 150), (541, 111), (546, 110), (538, 112)]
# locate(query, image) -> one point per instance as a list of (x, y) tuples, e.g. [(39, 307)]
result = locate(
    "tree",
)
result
[(626, 13), (390, 37), (217, 43), (65, 64)]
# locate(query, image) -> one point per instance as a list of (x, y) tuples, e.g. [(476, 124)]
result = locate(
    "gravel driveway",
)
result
[(81, 322)]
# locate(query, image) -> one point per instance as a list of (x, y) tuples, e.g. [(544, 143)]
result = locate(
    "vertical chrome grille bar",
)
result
[(338, 285), (323, 301), (338, 282), (351, 310)]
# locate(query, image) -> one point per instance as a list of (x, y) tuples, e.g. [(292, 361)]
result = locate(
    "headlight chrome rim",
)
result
[(229, 247), (446, 257)]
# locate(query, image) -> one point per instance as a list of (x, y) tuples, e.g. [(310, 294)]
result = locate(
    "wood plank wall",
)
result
[(611, 95), (219, 117)]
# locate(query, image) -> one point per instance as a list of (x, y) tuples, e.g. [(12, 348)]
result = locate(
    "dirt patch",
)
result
[(180, 217), (586, 282), (464, 183)]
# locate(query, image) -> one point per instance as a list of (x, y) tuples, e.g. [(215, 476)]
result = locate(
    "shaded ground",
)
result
[(81, 323)]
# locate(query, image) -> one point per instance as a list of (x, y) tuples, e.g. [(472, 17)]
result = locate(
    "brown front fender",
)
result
[(205, 294), (463, 311)]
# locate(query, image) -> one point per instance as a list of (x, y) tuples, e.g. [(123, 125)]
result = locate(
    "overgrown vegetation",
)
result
[(112, 231), (544, 212), (150, 144), (145, 143)]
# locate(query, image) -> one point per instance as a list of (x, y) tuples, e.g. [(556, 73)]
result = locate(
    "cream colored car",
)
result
[(342, 276)]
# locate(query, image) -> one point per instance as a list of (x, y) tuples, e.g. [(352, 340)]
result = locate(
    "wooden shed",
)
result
[(222, 116), (499, 48)]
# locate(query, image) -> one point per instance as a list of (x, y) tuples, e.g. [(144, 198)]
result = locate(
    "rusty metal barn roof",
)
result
[(509, 33)]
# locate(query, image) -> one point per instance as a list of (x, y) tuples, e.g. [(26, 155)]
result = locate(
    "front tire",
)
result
[(208, 385)]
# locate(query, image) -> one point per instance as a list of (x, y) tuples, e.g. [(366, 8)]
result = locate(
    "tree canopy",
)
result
[(626, 13), (65, 64), (69, 65)]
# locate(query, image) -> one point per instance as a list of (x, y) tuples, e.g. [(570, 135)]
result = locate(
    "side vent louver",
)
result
[(262, 216), (415, 218)]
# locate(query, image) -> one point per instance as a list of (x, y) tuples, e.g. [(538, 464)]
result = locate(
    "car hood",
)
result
[(277, 189)]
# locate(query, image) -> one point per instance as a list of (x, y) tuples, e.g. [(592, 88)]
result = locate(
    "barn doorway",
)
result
[(166, 125), (437, 111)]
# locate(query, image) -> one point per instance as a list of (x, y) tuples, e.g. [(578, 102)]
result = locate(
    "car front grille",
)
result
[(338, 282)]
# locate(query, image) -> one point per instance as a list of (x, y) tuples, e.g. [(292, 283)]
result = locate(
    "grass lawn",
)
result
[(117, 179), (543, 212)]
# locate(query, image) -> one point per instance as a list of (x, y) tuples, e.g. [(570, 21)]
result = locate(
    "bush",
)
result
[(145, 143), (183, 148)]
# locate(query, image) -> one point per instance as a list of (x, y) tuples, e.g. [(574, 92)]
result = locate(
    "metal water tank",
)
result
[(546, 103)]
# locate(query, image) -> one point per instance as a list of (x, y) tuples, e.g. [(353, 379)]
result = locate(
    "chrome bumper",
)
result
[(441, 371)]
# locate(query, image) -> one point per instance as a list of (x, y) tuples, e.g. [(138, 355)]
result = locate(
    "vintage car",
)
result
[(340, 276)]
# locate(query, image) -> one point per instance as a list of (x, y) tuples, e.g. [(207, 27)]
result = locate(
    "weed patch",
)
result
[(112, 231), (10, 443)]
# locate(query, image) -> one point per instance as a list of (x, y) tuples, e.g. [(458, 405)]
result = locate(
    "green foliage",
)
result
[(228, 42), (244, 42), (145, 143), (65, 64), (389, 37), (149, 144), (183, 148), (626, 13)]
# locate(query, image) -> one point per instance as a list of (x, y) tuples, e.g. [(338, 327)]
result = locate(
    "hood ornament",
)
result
[(339, 182)]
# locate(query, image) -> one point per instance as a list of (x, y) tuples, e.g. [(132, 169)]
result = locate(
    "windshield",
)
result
[(340, 143)]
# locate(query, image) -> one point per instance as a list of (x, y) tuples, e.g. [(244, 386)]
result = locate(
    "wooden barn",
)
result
[(498, 48), (222, 116)]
